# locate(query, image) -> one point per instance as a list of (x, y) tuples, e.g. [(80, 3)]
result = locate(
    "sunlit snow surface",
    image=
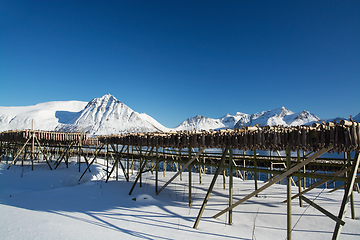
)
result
[(45, 204)]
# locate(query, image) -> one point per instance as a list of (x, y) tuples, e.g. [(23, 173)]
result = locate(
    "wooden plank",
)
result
[(277, 179)]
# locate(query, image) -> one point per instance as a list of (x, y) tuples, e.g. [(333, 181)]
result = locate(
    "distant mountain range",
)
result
[(107, 115)]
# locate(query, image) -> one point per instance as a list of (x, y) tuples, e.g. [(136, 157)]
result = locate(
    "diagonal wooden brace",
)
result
[(201, 150), (330, 215), (347, 193), (206, 199), (277, 179)]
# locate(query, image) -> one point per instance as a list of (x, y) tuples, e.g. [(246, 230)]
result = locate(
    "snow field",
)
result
[(44, 204)]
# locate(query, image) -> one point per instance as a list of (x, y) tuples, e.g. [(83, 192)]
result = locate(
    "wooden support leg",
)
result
[(212, 184), (157, 169), (95, 157), (230, 184), (138, 176), (255, 172), (299, 179), (288, 181), (190, 171), (347, 193)]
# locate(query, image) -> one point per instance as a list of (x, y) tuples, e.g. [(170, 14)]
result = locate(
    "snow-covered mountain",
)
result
[(278, 116), (107, 115), (200, 123)]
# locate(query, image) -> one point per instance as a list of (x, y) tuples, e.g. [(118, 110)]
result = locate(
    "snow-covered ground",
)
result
[(44, 204)]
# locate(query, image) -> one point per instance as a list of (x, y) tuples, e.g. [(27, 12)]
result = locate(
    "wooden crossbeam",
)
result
[(277, 179)]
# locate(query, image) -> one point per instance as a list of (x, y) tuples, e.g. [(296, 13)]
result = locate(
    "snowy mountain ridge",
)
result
[(107, 115)]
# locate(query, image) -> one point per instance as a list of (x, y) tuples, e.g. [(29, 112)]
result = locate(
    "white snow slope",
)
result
[(44, 204), (45, 116), (107, 115)]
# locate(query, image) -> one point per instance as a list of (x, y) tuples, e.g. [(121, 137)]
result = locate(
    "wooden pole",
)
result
[(140, 170), (347, 193), (157, 169), (190, 170), (230, 183), (255, 172), (288, 183), (299, 179)]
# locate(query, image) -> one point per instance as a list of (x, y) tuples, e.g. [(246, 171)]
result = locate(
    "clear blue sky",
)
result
[(176, 59)]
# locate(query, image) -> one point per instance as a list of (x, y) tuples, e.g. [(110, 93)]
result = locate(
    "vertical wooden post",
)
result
[(157, 169), (190, 170), (230, 183), (271, 164), (212, 184), (117, 163), (180, 165), (200, 169), (223, 173), (24, 157), (299, 178), (304, 171), (127, 160), (140, 170), (78, 152), (32, 150), (107, 158), (288, 183), (255, 171), (164, 162)]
